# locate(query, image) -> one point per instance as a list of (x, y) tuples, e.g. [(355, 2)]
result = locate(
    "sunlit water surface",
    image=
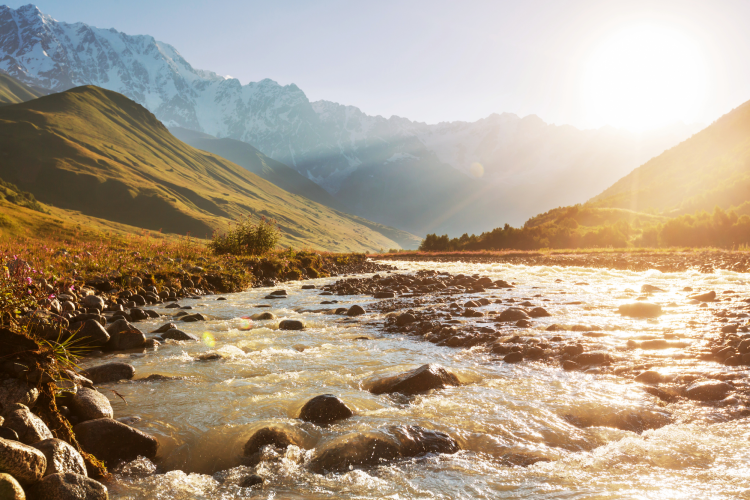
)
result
[(203, 421)]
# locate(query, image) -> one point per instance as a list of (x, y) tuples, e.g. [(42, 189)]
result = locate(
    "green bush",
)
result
[(247, 238)]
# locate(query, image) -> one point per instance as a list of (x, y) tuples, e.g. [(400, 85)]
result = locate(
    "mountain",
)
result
[(710, 169), (98, 152), (12, 91), (244, 155), (470, 176)]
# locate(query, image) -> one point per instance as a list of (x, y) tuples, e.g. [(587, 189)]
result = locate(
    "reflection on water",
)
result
[(568, 423)]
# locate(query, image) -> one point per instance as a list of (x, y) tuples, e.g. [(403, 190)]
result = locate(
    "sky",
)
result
[(630, 64)]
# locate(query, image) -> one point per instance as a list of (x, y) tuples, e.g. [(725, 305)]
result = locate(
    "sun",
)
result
[(644, 77)]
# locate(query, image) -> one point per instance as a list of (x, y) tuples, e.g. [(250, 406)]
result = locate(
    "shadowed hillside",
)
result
[(12, 91), (98, 152)]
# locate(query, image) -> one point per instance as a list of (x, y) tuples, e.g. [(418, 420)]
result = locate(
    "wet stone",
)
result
[(419, 380), (109, 372), (61, 457), (24, 463), (69, 487), (708, 390), (324, 409)]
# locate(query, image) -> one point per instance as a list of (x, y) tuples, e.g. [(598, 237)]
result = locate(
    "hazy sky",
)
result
[(637, 64)]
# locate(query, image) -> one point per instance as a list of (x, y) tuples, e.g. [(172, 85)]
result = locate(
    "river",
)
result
[(500, 415)]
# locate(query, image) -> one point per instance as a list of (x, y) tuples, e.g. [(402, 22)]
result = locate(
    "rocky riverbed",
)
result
[(439, 380)]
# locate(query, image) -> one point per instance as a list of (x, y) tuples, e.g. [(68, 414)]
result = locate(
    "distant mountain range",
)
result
[(449, 177), (97, 152)]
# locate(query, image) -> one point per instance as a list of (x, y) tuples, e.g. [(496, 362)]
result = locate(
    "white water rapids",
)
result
[(203, 420)]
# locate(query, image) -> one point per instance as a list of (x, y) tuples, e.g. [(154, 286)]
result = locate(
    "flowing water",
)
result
[(501, 411)]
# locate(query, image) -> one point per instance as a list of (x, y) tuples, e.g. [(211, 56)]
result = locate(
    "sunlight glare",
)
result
[(645, 77)]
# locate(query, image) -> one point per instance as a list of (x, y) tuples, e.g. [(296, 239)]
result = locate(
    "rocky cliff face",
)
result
[(532, 166)]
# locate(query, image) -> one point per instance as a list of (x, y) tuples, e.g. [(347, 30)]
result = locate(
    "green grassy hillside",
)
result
[(710, 169), (12, 91), (99, 153)]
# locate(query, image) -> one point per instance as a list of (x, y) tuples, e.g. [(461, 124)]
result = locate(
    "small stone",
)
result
[(308, 287), (263, 316), (164, 328), (93, 301), (704, 297), (419, 380), (649, 377), (539, 312), (512, 314), (513, 357), (405, 319), (593, 358), (191, 318), (13, 390), (209, 356), (384, 295)]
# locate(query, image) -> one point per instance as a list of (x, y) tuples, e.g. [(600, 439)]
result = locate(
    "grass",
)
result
[(99, 153)]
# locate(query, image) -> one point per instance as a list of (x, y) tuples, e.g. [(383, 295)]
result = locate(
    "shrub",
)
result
[(247, 238)]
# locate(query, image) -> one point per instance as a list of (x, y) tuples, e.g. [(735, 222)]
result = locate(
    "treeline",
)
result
[(562, 230)]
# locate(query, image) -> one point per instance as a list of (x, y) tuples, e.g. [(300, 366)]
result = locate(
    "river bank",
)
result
[(677, 260)]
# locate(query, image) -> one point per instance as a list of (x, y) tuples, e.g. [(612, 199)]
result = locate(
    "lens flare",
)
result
[(246, 323), (476, 170), (208, 339)]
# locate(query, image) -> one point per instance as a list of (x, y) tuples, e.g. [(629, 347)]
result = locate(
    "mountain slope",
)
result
[(710, 169), (244, 155), (527, 166), (12, 91), (96, 151)]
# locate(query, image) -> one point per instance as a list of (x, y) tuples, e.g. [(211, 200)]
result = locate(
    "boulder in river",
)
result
[(263, 316), (355, 310), (21, 461), (175, 334), (704, 297), (324, 409), (274, 435), (165, 327), (69, 486), (513, 314), (113, 442), (405, 319), (291, 324), (539, 312), (650, 377), (380, 446), (123, 336), (92, 333), (88, 404), (109, 372), (593, 358), (10, 489), (29, 427), (384, 295), (640, 310), (708, 390), (418, 380), (61, 457)]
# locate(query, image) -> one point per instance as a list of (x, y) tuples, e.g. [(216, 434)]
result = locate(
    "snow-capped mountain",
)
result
[(351, 154)]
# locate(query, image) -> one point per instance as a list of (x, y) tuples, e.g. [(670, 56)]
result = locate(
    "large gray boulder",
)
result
[(378, 447), (10, 489), (61, 457), (89, 404), (113, 442), (21, 461), (69, 487), (14, 391), (109, 372), (419, 380), (29, 427)]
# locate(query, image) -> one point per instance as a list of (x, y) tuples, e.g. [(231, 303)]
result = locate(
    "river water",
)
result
[(500, 412)]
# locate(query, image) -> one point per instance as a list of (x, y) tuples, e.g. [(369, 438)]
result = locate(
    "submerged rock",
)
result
[(109, 372), (377, 447), (708, 390), (113, 442), (418, 380), (704, 297), (325, 409), (277, 436), (640, 310)]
